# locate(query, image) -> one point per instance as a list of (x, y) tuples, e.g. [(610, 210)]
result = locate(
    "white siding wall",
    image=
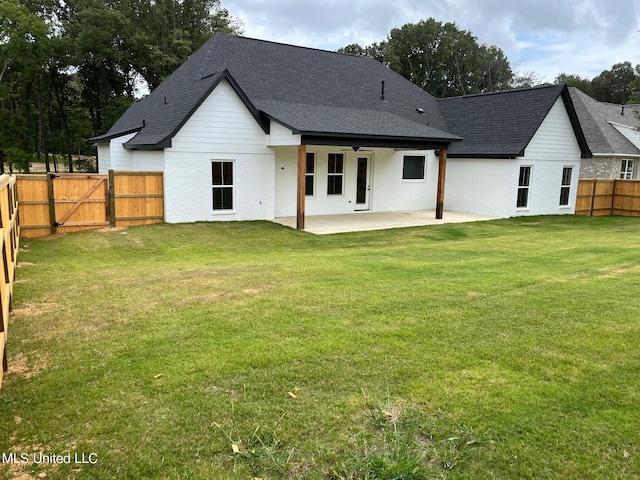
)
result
[(388, 191), (104, 157), (630, 133), (490, 186), (121, 158), (552, 148), (279, 135), (221, 129), (113, 156)]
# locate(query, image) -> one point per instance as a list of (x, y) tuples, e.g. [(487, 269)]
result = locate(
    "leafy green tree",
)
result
[(24, 53), (582, 84), (375, 50), (441, 59), (614, 86), (69, 69), (166, 32)]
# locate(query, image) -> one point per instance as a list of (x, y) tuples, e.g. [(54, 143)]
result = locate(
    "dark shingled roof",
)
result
[(316, 93), (501, 124), (596, 117)]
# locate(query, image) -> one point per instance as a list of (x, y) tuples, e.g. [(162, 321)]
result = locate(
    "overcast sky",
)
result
[(548, 37)]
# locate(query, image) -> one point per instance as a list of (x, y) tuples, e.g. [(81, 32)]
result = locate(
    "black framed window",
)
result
[(524, 181), (222, 184), (413, 167), (626, 171), (335, 174), (310, 174), (565, 188)]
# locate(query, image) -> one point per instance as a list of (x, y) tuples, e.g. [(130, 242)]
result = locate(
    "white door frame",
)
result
[(363, 185)]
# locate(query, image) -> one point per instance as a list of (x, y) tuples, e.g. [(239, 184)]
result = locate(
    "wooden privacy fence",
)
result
[(10, 238), (602, 197), (61, 203)]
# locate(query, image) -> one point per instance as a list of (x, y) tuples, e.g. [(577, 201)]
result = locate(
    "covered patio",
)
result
[(365, 221)]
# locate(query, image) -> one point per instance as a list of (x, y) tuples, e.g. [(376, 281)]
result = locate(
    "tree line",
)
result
[(447, 61), (620, 84), (70, 68)]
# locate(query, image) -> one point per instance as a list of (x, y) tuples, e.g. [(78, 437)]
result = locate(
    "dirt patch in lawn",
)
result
[(617, 271), (111, 229), (32, 309), (215, 296), (19, 365)]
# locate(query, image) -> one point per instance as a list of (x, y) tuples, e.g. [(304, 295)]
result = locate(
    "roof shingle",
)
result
[(309, 90), (596, 118), (499, 124)]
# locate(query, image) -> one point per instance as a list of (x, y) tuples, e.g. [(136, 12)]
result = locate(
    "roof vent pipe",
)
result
[(622, 112), (382, 95)]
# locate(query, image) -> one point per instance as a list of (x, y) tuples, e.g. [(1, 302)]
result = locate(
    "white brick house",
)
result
[(252, 130)]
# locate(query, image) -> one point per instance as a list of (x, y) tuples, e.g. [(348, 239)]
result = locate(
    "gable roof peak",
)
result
[(285, 83)]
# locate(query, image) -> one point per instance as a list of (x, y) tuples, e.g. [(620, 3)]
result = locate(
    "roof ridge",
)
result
[(585, 99), (242, 37), (499, 92)]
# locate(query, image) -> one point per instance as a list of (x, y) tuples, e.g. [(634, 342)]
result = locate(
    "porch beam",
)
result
[(302, 171), (442, 175)]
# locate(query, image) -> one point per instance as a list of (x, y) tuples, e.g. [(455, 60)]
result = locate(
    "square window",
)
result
[(413, 167)]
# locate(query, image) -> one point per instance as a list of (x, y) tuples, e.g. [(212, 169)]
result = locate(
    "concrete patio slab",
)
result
[(364, 221)]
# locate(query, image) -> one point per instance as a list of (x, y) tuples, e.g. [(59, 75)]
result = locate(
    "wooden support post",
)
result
[(52, 203), (111, 213), (302, 171), (442, 175)]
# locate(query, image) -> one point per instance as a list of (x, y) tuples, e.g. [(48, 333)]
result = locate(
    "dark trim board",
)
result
[(373, 142)]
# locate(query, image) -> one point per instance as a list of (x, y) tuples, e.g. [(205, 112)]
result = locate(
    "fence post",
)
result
[(112, 199), (52, 203)]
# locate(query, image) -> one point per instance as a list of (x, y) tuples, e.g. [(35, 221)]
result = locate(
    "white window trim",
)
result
[(233, 188), (424, 170), (625, 172), (528, 187), (569, 186), (344, 167)]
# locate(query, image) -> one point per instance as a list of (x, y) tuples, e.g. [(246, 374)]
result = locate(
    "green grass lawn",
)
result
[(503, 349)]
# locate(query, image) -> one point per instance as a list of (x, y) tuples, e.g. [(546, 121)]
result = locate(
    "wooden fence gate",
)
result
[(62, 203)]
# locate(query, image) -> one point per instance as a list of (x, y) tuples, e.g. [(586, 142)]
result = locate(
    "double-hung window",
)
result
[(626, 172), (222, 184), (335, 174), (310, 174), (565, 187), (524, 180)]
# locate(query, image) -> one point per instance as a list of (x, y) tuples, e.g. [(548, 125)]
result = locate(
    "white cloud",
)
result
[(582, 37)]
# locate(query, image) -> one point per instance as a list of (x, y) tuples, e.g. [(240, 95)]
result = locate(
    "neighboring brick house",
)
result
[(612, 136)]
